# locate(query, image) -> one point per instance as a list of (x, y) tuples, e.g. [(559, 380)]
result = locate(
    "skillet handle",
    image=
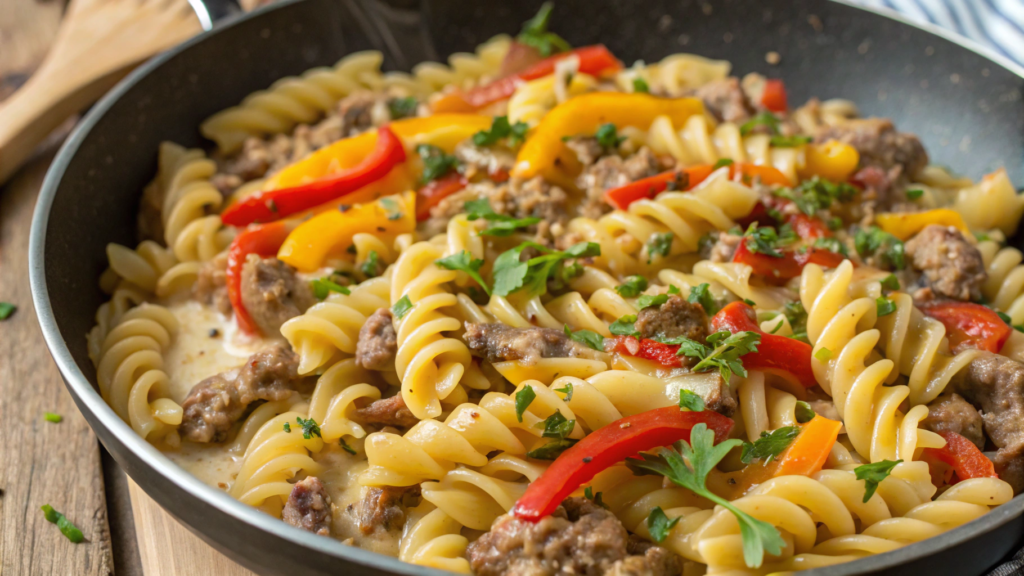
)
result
[(210, 12)]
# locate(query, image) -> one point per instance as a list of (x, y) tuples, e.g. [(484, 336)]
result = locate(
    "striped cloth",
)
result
[(995, 24)]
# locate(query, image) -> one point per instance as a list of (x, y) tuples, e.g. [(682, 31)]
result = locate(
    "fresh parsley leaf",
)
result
[(632, 287), (823, 355), (346, 447), (552, 449), (817, 194), (588, 493), (722, 352), (767, 119), (69, 530), (324, 286), (567, 390), (587, 337), (789, 141), (769, 445), (371, 267), (608, 136), (659, 245), (501, 128), (640, 85), (392, 207), (872, 474), (6, 309), (476, 209), (309, 427), (624, 326), (51, 417), (673, 290), (651, 300), (764, 240), (888, 249), (722, 163), (402, 307), (402, 107), (659, 525), (511, 275), (832, 245), (689, 468), (750, 302), (691, 400), (535, 33), (436, 162), (915, 194), (885, 306), (287, 427), (834, 223), (890, 282), (464, 262), (804, 412), (701, 294), (796, 315), (557, 426), (503, 226), (524, 398)]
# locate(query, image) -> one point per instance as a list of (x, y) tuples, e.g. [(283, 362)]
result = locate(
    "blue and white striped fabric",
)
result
[(995, 24)]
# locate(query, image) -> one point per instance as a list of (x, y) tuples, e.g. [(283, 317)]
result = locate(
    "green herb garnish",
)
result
[(6, 309), (51, 417), (767, 119), (887, 248), (832, 245), (722, 351), (872, 474), (890, 282), (885, 306), (640, 85), (659, 245), (464, 262), (608, 136), (624, 326), (587, 337), (691, 400), (535, 33), (804, 412), (701, 294), (324, 286), (567, 390), (501, 128), (309, 427), (769, 445), (69, 530), (823, 355), (789, 141), (436, 162), (632, 286), (402, 307), (524, 398), (915, 194), (370, 268), (402, 107), (511, 275), (659, 525), (346, 447)]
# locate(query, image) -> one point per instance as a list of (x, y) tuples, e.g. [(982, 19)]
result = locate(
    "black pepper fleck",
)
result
[(587, 460)]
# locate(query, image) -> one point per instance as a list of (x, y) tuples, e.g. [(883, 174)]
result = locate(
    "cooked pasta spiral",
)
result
[(335, 397), (433, 538), (1004, 287), (534, 99), (464, 69), (992, 203), (332, 326), (190, 230), (130, 371), (675, 75)]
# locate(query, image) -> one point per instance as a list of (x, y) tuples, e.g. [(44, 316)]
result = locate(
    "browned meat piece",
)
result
[(215, 404), (951, 266), (726, 100), (309, 507), (716, 392), (720, 247), (387, 412), (484, 160), (580, 538), (587, 149), (378, 342), (879, 144), (534, 197), (610, 172), (995, 384), (646, 559), (384, 507), (211, 284), (358, 111), (498, 342), (676, 317), (272, 293), (951, 413), (256, 158)]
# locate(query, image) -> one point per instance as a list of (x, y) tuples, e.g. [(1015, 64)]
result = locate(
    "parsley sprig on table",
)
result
[(69, 530), (688, 466)]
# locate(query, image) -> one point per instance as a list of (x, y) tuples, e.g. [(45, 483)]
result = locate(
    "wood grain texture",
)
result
[(168, 548), (42, 463)]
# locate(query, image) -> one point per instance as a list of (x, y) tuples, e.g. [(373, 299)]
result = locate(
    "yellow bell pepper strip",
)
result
[(831, 160), (330, 232), (904, 225), (545, 154), (442, 130)]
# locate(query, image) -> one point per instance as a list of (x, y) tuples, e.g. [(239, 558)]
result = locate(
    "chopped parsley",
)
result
[(689, 467), (499, 225), (722, 351), (873, 474), (346, 447), (6, 309), (803, 412), (287, 428), (524, 398), (701, 294), (651, 300), (624, 326), (324, 286), (769, 445), (69, 530), (402, 307), (512, 275), (915, 194), (796, 315), (567, 390), (587, 337), (535, 33), (392, 207), (659, 525), (588, 493), (823, 355), (552, 449), (885, 306), (557, 427), (767, 240), (832, 245), (501, 128), (608, 136), (640, 85), (789, 141), (632, 287), (659, 245), (890, 282), (371, 267), (834, 223), (464, 262), (722, 162), (888, 249), (436, 162), (309, 427), (402, 107), (766, 119), (51, 417), (817, 194), (691, 400)]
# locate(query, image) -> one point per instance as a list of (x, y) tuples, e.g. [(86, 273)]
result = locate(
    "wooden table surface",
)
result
[(62, 464)]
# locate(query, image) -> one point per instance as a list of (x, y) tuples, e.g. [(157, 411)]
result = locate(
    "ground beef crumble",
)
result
[(951, 266), (309, 507), (498, 342)]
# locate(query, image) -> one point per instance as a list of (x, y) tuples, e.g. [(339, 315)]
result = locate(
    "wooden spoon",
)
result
[(97, 43)]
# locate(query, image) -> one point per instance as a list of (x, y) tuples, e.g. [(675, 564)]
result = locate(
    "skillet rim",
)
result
[(86, 397)]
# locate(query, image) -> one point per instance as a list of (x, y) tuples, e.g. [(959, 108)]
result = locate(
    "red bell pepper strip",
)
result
[(970, 325), (610, 445), (594, 60), (789, 266), (686, 179), (434, 192), (774, 353), (965, 458), (664, 354), (774, 97), (271, 205), (263, 240)]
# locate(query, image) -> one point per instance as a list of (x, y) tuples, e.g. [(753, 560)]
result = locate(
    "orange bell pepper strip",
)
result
[(545, 154), (969, 325), (594, 60), (904, 225), (330, 233), (262, 240)]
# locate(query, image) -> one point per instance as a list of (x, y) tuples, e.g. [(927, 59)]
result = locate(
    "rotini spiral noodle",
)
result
[(1004, 286), (335, 397)]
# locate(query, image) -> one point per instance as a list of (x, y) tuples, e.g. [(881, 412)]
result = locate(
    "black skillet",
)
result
[(965, 105)]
